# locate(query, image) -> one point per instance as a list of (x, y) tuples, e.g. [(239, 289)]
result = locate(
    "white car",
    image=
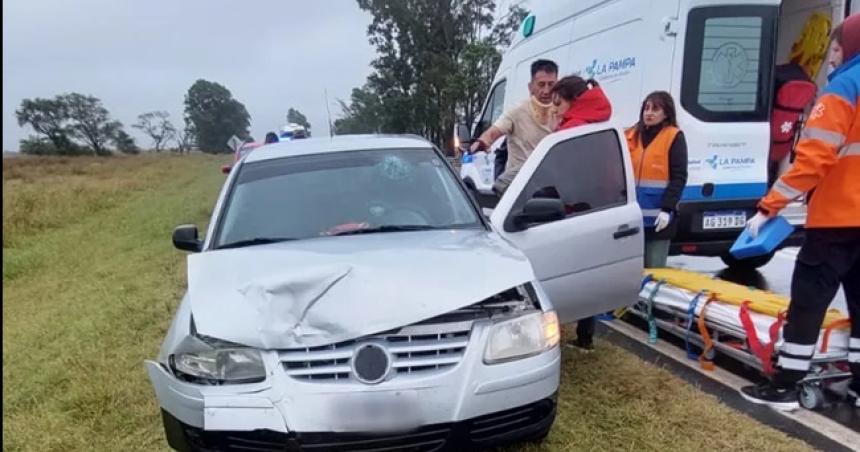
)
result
[(349, 295)]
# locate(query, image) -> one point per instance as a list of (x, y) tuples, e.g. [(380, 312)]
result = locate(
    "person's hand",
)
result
[(662, 221), (477, 146), (755, 223)]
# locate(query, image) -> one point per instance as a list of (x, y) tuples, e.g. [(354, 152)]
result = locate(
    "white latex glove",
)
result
[(755, 223), (661, 222)]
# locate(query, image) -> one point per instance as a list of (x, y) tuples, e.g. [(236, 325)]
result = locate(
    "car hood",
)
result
[(321, 291)]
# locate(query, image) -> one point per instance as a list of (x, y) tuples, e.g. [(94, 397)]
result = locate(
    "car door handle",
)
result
[(625, 231)]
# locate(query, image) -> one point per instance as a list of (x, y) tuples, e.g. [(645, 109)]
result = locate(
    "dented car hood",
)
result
[(321, 291)]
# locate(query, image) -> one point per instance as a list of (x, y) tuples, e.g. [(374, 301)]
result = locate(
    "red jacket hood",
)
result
[(591, 106)]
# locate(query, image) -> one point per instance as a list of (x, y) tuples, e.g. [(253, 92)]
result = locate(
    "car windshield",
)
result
[(375, 191)]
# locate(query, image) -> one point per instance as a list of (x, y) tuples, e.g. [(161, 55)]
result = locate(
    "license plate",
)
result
[(724, 220), (376, 411)]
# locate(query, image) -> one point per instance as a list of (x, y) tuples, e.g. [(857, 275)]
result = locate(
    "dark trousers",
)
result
[(829, 258), (500, 162), (585, 330)]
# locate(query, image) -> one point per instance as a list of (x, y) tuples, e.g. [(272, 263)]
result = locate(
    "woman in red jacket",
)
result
[(579, 102)]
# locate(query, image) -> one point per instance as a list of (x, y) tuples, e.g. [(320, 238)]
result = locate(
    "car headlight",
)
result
[(522, 336), (220, 366)]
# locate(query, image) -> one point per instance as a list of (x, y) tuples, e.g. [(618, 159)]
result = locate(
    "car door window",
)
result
[(586, 173), (494, 108)]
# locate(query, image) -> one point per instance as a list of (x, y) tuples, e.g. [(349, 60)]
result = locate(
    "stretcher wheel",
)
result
[(811, 397)]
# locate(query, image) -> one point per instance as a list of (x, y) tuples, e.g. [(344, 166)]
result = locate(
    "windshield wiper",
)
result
[(255, 241), (392, 228)]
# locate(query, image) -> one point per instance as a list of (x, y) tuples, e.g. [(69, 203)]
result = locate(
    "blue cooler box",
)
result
[(769, 237)]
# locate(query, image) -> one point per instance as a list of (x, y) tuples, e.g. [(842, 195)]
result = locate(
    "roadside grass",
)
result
[(611, 400), (77, 326), (93, 282)]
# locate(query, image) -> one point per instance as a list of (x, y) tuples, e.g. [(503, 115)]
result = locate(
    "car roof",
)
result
[(337, 143)]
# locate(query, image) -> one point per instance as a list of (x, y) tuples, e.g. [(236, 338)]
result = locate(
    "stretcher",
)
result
[(744, 323)]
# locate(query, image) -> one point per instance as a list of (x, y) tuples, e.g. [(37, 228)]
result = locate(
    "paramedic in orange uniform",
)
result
[(827, 170)]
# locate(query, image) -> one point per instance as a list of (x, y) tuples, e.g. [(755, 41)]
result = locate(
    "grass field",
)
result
[(90, 282)]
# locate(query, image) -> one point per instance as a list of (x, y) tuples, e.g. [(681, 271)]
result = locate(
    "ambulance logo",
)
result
[(713, 161), (817, 112)]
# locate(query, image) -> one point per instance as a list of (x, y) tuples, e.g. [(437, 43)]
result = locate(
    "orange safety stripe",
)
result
[(706, 336)]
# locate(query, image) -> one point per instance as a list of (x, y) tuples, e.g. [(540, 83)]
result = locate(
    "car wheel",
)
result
[(749, 263)]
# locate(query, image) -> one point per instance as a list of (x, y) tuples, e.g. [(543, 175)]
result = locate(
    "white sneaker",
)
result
[(854, 396)]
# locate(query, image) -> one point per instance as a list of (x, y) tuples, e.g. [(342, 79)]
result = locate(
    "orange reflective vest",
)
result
[(827, 157), (651, 169)]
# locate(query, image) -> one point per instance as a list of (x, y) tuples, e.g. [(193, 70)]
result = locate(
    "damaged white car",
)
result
[(350, 295)]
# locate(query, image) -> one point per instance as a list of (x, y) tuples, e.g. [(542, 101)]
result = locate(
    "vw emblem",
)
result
[(371, 363)]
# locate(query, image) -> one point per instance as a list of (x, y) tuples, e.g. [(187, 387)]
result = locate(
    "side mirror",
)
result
[(539, 211), (225, 169), (185, 238)]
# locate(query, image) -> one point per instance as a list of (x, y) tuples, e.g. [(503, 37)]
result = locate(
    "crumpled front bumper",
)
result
[(529, 422), (281, 404)]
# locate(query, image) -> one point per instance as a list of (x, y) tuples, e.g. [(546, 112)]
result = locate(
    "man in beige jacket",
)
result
[(525, 125)]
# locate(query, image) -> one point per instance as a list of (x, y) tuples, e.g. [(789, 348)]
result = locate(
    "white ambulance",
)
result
[(716, 57)]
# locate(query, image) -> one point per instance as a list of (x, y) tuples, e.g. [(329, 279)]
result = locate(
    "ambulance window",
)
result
[(728, 61), (494, 108)]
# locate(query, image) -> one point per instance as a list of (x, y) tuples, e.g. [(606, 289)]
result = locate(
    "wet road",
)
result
[(775, 276)]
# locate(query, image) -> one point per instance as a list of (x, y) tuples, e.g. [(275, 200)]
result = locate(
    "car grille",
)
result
[(426, 439), (415, 350)]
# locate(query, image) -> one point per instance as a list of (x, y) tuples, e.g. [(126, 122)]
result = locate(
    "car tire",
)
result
[(749, 263)]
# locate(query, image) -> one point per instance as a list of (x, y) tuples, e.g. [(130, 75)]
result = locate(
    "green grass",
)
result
[(611, 400), (91, 281)]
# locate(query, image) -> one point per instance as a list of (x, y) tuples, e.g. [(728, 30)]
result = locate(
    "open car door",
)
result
[(589, 257)]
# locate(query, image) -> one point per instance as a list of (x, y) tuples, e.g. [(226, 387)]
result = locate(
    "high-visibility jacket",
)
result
[(827, 157), (651, 169)]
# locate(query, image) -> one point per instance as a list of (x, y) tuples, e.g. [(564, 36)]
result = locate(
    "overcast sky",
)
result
[(138, 56)]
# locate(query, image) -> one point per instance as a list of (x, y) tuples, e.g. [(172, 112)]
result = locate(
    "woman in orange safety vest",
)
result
[(659, 154)]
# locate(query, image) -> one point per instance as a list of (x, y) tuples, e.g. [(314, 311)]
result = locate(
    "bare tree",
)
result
[(185, 138), (157, 125)]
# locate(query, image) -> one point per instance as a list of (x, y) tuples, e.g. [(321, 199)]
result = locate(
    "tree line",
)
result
[(78, 124), (436, 61)]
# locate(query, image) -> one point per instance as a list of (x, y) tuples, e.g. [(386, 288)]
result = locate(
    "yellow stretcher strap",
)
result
[(762, 302)]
